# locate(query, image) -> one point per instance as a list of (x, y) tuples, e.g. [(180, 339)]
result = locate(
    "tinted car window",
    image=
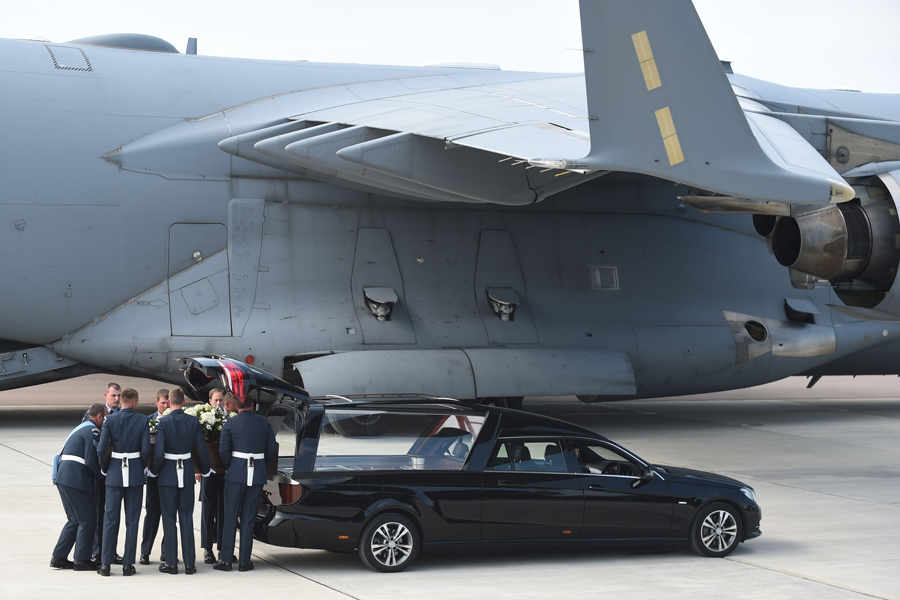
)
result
[(528, 456), (603, 460), (284, 423), (371, 439)]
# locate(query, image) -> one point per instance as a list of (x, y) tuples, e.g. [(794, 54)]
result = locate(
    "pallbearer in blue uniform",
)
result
[(246, 447), (179, 441), (212, 496), (124, 450), (152, 510), (112, 404), (77, 472)]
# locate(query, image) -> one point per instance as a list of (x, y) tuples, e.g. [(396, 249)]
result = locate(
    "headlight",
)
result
[(750, 493)]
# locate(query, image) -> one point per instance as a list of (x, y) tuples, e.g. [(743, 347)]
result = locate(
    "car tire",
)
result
[(375, 545), (717, 530)]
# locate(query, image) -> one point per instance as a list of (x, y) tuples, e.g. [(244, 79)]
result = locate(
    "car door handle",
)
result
[(595, 486)]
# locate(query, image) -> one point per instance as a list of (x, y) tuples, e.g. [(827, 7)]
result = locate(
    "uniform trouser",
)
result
[(240, 499), (152, 514), (114, 497), (81, 524), (100, 500), (176, 501), (212, 497)]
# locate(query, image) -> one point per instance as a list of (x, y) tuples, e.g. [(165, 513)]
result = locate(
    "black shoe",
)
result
[(222, 566), (103, 570), (84, 565), (61, 563), (117, 560), (128, 570), (170, 569), (209, 558), (145, 560), (246, 566), (190, 570)]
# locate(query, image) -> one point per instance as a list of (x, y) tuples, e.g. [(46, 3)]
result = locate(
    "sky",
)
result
[(805, 43)]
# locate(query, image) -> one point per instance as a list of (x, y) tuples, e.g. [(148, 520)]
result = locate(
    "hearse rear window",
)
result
[(370, 439)]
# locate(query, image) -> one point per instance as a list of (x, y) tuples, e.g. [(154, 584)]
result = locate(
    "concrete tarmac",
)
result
[(825, 463)]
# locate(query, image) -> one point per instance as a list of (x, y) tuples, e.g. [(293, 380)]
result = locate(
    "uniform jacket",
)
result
[(251, 433), (179, 433), (124, 431), (83, 444)]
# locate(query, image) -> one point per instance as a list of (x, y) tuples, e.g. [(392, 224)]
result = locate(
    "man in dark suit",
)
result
[(246, 447), (76, 476), (152, 511), (212, 497), (179, 440), (111, 401), (123, 450)]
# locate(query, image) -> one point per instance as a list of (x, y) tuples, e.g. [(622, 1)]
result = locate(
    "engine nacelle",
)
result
[(853, 244)]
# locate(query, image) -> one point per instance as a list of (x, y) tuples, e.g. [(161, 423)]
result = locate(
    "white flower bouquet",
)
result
[(154, 427), (211, 418)]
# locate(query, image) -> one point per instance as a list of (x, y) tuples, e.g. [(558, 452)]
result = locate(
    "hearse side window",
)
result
[(603, 460), (528, 456), (284, 423), (357, 439)]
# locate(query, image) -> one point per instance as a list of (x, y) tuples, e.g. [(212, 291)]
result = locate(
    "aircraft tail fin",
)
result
[(660, 104)]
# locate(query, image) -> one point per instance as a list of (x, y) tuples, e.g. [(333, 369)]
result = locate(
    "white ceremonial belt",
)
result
[(250, 458), (77, 459), (179, 465), (125, 457)]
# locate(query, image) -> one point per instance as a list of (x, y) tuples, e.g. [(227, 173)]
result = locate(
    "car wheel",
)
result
[(717, 530), (389, 543)]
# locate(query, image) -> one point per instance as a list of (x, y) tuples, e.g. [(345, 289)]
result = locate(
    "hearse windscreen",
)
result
[(365, 439)]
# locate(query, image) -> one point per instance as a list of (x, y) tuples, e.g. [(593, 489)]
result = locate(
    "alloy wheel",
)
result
[(719, 530), (391, 544)]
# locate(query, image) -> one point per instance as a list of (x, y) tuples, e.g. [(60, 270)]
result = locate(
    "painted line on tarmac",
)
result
[(301, 575), (806, 578), (34, 458)]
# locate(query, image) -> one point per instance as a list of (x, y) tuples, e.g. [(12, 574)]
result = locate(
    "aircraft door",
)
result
[(199, 303)]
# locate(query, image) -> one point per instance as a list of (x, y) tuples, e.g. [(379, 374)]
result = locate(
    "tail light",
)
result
[(290, 492)]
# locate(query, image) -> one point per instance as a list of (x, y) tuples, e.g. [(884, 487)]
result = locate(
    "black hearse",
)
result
[(388, 476)]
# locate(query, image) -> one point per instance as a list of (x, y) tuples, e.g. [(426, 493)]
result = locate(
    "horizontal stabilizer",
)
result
[(660, 104)]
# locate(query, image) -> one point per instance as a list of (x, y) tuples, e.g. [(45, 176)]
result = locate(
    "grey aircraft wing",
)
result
[(654, 100)]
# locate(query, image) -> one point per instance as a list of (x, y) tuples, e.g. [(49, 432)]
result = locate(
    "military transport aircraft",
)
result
[(656, 226)]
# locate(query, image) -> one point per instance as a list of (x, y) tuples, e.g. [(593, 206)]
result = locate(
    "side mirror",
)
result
[(646, 476)]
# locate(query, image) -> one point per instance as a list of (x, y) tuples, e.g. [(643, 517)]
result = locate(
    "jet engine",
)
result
[(853, 245)]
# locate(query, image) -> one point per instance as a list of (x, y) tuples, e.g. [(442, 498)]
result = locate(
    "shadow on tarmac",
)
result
[(503, 555)]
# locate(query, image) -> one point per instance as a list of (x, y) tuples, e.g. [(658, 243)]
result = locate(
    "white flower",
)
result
[(208, 418)]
